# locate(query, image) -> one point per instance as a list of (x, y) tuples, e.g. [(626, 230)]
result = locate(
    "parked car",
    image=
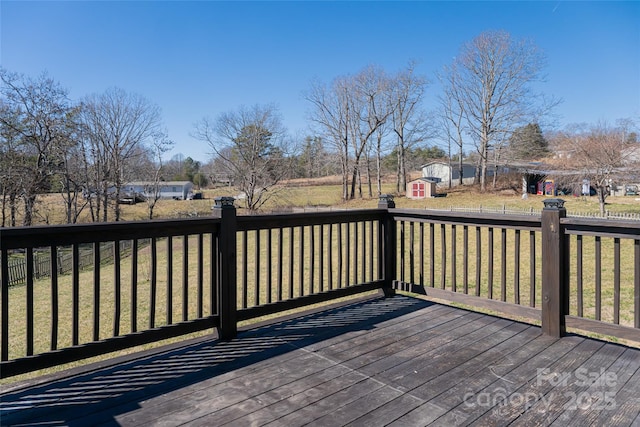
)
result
[(631, 190)]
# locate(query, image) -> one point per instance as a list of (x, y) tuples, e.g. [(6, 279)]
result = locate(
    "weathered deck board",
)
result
[(399, 361)]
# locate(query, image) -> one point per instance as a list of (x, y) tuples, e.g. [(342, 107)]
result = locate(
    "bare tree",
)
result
[(451, 114), (72, 177), (154, 169), (34, 128), (331, 113), (409, 123), (10, 176), (251, 144), (493, 75), (349, 113), (602, 154), (116, 125), (370, 109)]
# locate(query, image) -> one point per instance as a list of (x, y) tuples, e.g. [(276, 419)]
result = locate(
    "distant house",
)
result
[(178, 190), (421, 188), (440, 172)]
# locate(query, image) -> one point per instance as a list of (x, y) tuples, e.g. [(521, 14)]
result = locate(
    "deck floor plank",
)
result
[(400, 362), (485, 394), (603, 391)]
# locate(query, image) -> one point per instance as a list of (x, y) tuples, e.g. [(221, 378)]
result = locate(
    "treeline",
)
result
[(85, 150), (363, 126)]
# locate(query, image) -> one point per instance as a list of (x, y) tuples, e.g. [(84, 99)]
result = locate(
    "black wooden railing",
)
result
[(199, 274)]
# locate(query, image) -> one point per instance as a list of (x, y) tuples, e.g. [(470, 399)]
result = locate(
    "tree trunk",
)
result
[(379, 171), (602, 197), (29, 206)]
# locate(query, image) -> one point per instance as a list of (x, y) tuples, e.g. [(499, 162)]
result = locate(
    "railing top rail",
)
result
[(522, 222), (602, 227), (255, 222), (40, 236)]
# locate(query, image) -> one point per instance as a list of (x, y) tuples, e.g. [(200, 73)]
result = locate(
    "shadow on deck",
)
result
[(395, 361)]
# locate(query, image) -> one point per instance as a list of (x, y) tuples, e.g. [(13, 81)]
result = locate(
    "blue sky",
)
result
[(197, 59)]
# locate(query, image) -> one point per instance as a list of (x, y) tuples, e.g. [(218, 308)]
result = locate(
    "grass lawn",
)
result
[(294, 281)]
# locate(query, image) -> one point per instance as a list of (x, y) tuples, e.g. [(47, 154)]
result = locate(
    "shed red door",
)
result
[(417, 190)]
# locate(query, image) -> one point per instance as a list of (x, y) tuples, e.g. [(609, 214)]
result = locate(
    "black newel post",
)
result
[(227, 291), (389, 245), (555, 269)]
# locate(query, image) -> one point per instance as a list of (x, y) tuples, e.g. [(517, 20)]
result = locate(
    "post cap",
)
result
[(222, 202), (554, 204), (386, 200)]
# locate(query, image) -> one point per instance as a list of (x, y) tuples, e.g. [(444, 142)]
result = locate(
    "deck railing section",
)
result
[(462, 256), (189, 275), (287, 261), (604, 275), (564, 272), (140, 293), (197, 274)]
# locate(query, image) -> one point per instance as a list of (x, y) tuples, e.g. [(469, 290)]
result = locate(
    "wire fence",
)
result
[(42, 261), (635, 216)]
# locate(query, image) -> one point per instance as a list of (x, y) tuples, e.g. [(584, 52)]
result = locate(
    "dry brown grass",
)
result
[(312, 195), (327, 192)]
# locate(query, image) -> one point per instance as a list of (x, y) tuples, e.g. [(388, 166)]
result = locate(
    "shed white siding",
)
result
[(167, 189), (440, 172)]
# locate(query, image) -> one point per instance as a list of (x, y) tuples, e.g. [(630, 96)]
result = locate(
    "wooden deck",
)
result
[(399, 361)]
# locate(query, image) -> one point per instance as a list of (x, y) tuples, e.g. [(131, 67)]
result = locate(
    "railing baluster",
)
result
[(598, 277), (354, 278), (516, 268), (616, 280), (291, 260), (256, 288), (363, 232), (347, 272), (269, 266), (4, 325), (579, 279), (411, 252), (636, 283), (312, 258), (54, 298), (432, 258), (169, 299), (503, 260), (532, 268), (185, 278), (75, 298), (454, 284), (478, 260), (96, 289), (402, 250), (340, 255), (465, 258), (154, 283), (330, 256), (200, 277), (214, 280), (245, 269), (490, 265), (321, 256), (421, 254), (30, 302), (134, 285), (117, 289), (443, 255), (381, 256), (301, 262), (280, 259)]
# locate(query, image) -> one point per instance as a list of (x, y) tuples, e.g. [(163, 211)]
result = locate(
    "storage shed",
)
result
[(421, 188)]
